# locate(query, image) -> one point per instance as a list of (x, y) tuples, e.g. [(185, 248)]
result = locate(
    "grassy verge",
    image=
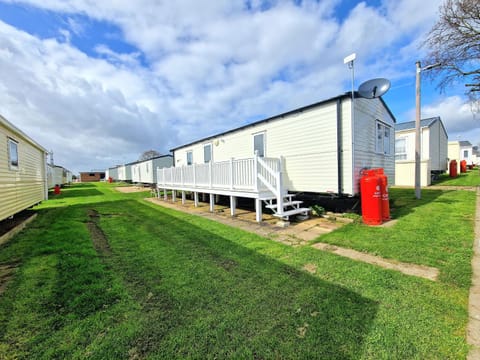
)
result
[(172, 285), (470, 178), (436, 230)]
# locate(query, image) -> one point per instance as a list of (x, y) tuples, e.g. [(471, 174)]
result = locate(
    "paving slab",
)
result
[(426, 272), (473, 327), (296, 234)]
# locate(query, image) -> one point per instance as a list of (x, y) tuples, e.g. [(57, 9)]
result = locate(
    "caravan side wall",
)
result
[(369, 151), (161, 162), (113, 173), (438, 147), (308, 142), (125, 173), (24, 186), (57, 175)]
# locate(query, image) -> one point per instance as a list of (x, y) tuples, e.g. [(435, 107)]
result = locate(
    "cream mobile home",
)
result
[(433, 151), (320, 148), (125, 172), (23, 167), (112, 173), (55, 175), (145, 172), (460, 150)]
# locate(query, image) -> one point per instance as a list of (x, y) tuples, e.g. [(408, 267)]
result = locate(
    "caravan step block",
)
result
[(286, 214), (288, 203)]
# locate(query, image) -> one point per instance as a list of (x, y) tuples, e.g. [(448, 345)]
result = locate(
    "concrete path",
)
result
[(473, 328), (425, 272), (294, 235)]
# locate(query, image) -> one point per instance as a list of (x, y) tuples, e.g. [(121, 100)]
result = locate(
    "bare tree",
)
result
[(454, 42), (149, 154)]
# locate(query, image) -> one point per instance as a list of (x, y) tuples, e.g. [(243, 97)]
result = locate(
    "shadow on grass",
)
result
[(403, 201), (82, 185), (214, 298), (470, 178), (73, 192), (197, 293)]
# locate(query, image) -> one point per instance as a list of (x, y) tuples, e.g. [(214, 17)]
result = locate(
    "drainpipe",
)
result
[(45, 179), (339, 146)]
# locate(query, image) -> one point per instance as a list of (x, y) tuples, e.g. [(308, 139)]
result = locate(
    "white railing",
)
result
[(253, 174)]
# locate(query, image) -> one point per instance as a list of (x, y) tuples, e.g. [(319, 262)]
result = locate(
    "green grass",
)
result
[(470, 178), (174, 285), (436, 230)]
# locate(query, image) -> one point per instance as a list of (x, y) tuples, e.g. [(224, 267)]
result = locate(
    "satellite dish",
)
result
[(374, 88)]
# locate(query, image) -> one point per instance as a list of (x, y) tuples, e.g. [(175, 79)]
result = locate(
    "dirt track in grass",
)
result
[(100, 242), (298, 234)]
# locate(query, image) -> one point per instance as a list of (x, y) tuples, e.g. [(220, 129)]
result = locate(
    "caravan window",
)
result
[(189, 157), (382, 136), (12, 154), (401, 149), (207, 153), (259, 144)]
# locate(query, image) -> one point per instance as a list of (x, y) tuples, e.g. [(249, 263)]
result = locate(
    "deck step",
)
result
[(287, 203), (286, 214)]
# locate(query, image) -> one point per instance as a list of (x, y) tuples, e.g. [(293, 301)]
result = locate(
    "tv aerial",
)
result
[(374, 88)]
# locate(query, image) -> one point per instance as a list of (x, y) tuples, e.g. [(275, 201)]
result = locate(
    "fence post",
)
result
[(279, 180), (231, 173), (210, 173), (255, 171), (194, 176)]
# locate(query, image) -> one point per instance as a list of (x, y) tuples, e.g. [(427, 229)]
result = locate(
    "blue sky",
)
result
[(100, 83)]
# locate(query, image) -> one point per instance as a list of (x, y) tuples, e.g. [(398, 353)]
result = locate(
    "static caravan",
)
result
[(320, 149), (69, 176), (112, 173), (125, 172), (433, 151), (460, 150), (145, 172), (56, 175), (475, 155), (23, 170)]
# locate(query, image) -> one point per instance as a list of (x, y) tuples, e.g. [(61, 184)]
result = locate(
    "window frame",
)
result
[(264, 150), (402, 154), (190, 157), (211, 152), (11, 164), (381, 130)]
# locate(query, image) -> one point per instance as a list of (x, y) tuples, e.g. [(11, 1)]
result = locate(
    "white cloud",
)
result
[(210, 66), (457, 116), (75, 105)]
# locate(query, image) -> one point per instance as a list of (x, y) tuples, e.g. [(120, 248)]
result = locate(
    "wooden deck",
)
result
[(256, 178)]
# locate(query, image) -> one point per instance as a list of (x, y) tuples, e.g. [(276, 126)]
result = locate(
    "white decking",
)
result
[(257, 178)]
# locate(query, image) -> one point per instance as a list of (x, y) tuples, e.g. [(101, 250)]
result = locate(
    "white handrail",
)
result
[(250, 174)]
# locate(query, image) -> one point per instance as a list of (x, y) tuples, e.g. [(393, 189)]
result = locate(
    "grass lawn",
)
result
[(106, 275), (470, 178)]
